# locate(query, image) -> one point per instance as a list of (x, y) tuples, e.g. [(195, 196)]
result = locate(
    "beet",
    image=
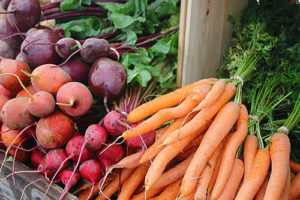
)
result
[(111, 155), (113, 123), (95, 136), (73, 147), (26, 13), (36, 158), (94, 48), (78, 70), (39, 48), (4, 3), (107, 78), (6, 31), (6, 50), (64, 46)]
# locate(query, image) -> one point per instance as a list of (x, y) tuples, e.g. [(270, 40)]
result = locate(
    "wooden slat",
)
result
[(207, 35), (9, 191)]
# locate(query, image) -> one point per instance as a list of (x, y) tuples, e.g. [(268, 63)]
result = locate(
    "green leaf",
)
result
[(131, 38), (162, 46), (82, 28), (10, 159), (110, 6), (143, 77), (121, 20), (69, 5)]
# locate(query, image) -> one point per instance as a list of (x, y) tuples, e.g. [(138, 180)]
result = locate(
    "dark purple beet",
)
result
[(94, 48), (107, 78), (7, 30), (78, 70), (6, 50), (64, 47), (37, 28), (4, 3), (39, 48), (26, 13)]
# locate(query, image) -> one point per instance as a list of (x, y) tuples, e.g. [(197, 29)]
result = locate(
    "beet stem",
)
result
[(11, 35), (71, 14), (156, 37), (70, 104), (90, 194), (50, 11), (7, 12), (105, 104), (75, 52)]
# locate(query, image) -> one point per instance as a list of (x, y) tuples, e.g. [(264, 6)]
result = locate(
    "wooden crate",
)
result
[(204, 36), (9, 191)]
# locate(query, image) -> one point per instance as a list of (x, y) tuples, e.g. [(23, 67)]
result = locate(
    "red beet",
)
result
[(113, 123), (78, 70)]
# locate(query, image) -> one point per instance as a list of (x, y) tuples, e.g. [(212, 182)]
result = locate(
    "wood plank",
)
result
[(9, 191), (207, 36), (181, 39)]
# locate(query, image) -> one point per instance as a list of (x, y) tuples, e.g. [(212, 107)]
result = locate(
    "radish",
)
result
[(74, 99), (8, 68), (111, 155), (64, 47), (65, 178), (23, 14), (36, 158), (38, 48), (136, 142), (94, 48), (54, 131), (107, 78), (112, 123), (78, 70), (74, 146), (15, 115), (48, 78), (41, 104)]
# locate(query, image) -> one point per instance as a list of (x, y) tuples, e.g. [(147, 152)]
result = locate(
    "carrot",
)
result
[(133, 182), (168, 114), (295, 167), (156, 147), (165, 156), (229, 152), (256, 177), (149, 194), (215, 173), (250, 149), (202, 117), (173, 174), (212, 96), (233, 181), (262, 190), (217, 131), (131, 161), (165, 101), (201, 192), (169, 192), (280, 148), (113, 186), (295, 188), (160, 132), (287, 185)]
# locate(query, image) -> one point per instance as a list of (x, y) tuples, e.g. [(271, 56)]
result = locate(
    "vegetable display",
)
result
[(90, 102)]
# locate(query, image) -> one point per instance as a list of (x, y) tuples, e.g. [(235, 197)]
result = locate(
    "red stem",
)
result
[(71, 14)]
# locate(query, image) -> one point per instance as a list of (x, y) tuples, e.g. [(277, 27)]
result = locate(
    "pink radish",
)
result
[(112, 123), (36, 158), (136, 142), (65, 178), (54, 131), (74, 146), (74, 99), (111, 155)]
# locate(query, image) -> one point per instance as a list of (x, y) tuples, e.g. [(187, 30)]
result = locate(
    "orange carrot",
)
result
[(250, 149), (156, 147), (215, 173), (286, 189), (233, 181), (280, 148), (165, 101), (201, 192), (133, 182), (295, 188), (165, 156), (131, 161), (113, 186), (295, 167), (202, 117), (160, 132), (217, 131), (256, 177), (174, 173), (169, 192), (262, 190), (149, 194), (212, 96), (168, 114), (229, 152)]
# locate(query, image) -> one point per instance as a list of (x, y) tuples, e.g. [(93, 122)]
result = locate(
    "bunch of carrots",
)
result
[(203, 149)]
